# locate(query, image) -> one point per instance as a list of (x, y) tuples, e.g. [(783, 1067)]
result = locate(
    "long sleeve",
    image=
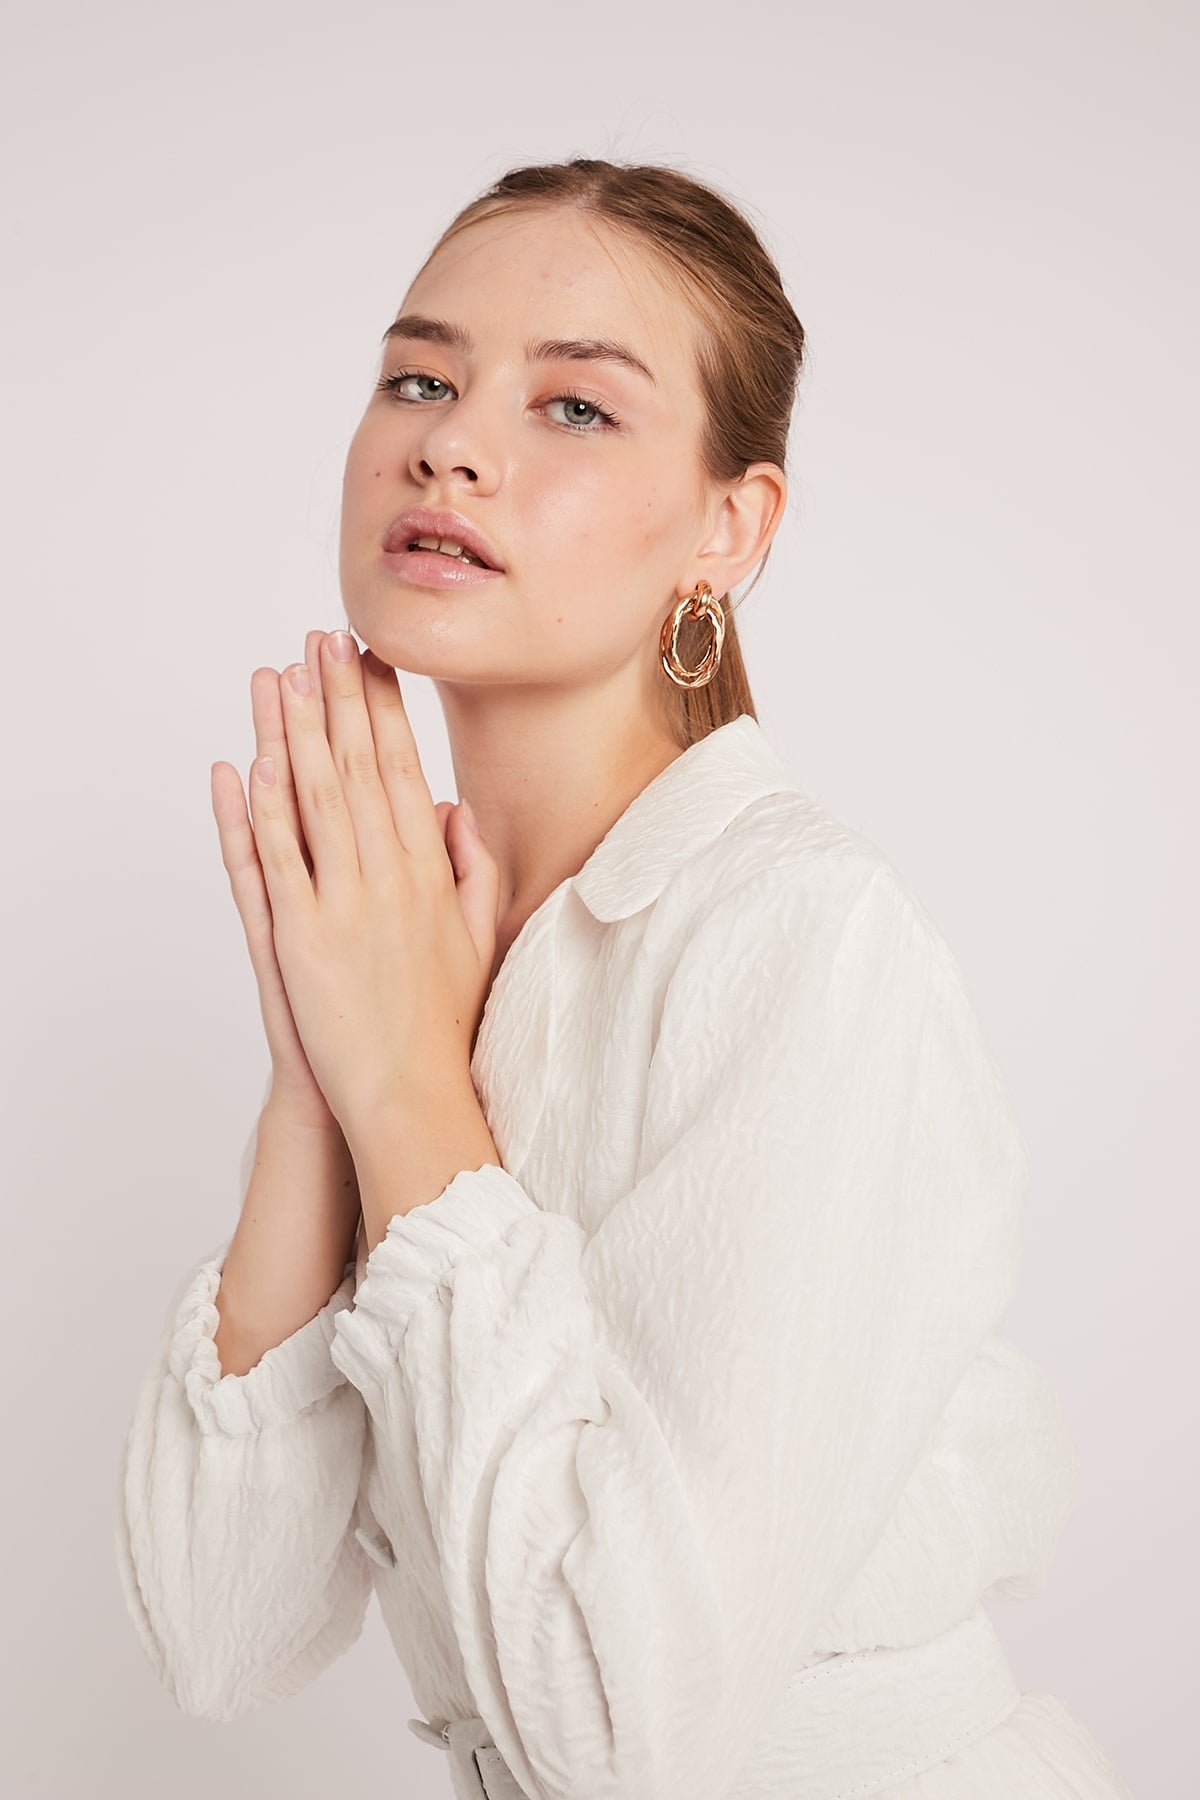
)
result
[(235, 1503), (653, 1458)]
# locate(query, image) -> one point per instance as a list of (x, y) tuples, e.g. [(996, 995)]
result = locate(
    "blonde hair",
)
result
[(751, 350)]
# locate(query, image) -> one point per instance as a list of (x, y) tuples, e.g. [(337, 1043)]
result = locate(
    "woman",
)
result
[(661, 1399)]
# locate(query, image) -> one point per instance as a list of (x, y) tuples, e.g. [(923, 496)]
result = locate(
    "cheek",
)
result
[(649, 520), (613, 511), (363, 467), (564, 509), (379, 444)]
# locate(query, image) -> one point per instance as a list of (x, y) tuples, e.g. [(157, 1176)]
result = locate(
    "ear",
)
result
[(747, 517)]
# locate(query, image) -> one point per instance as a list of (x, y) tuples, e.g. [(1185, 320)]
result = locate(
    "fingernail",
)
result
[(470, 816), (264, 768), (341, 645), (300, 678)]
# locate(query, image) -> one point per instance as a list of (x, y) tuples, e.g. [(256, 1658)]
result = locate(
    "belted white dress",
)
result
[(683, 1449)]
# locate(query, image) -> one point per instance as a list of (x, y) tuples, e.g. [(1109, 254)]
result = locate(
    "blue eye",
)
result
[(575, 404), (582, 415), (393, 384)]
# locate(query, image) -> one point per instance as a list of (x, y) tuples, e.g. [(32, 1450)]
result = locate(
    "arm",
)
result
[(407, 1158), (653, 1459), (293, 1240), (236, 1498)]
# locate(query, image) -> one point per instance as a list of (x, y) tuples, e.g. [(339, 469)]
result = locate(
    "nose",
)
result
[(457, 444)]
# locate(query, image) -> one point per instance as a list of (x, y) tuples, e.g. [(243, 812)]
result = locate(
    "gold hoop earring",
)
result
[(699, 604)]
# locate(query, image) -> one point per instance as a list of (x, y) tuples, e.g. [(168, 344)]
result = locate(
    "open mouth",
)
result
[(448, 547)]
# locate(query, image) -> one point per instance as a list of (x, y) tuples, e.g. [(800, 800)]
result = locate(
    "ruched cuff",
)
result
[(287, 1378), (417, 1257)]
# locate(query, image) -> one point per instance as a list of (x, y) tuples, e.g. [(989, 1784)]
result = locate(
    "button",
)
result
[(431, 1733)]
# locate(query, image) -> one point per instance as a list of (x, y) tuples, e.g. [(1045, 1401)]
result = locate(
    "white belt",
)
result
[(477, 1769), (848, 1727)]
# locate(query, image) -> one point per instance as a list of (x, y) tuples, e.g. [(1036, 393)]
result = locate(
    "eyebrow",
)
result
[(441, 331)]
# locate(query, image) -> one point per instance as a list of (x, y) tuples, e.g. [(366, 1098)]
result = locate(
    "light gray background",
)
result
[(976, 643)]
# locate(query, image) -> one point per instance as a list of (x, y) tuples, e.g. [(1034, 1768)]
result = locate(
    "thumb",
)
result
[(477, 878)]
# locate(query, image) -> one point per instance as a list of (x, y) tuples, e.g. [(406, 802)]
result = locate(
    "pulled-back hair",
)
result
[(750, 357)]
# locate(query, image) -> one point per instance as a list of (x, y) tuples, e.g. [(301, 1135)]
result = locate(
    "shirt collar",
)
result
[(682, 810)]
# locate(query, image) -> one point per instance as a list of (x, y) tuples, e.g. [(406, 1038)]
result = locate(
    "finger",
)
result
[(289, 886), (270, 739), (324, 808), (477, 879), (312, 656), (413, 810), (352, 744), (239, 853)]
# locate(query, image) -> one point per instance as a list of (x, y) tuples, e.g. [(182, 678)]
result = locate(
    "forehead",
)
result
[(558, 273)]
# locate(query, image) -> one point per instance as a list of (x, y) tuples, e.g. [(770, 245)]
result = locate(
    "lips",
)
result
[(445, 533)]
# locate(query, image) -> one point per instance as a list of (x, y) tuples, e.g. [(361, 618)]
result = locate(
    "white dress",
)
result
[(703, 1388)]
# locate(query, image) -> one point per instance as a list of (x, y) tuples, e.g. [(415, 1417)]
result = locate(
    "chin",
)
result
[(419, 647)]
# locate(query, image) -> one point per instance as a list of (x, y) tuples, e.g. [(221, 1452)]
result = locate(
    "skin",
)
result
[(549, 678), (376, 920)]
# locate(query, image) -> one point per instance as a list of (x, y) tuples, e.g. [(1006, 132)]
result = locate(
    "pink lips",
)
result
[(432, 569), (423, 521)]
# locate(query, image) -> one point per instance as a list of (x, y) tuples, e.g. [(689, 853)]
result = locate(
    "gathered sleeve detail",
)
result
[(286, 1379), (652, 1459), (235, 1509)]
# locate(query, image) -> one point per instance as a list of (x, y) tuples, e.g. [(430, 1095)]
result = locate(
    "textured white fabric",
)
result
[(703, 1386), (848, 1725)]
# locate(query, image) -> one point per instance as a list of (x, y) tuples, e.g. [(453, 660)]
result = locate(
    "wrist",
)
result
[(412, 1104), (414, 1146), (281, 1114)]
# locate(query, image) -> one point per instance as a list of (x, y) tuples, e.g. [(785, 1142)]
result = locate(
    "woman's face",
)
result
[(580, 471)]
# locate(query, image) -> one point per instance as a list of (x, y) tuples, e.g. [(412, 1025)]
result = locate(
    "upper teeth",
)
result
[(448, 547)]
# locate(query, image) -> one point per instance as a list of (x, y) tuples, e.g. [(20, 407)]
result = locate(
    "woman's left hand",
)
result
[(386, 949)]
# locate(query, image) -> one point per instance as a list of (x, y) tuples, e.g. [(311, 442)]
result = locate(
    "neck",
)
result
[(547, 773)]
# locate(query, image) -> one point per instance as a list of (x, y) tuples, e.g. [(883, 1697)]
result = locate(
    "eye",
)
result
[(395, 385), (582, 414)]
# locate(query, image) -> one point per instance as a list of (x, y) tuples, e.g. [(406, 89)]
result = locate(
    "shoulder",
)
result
[(788, 901), (785, 855)]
